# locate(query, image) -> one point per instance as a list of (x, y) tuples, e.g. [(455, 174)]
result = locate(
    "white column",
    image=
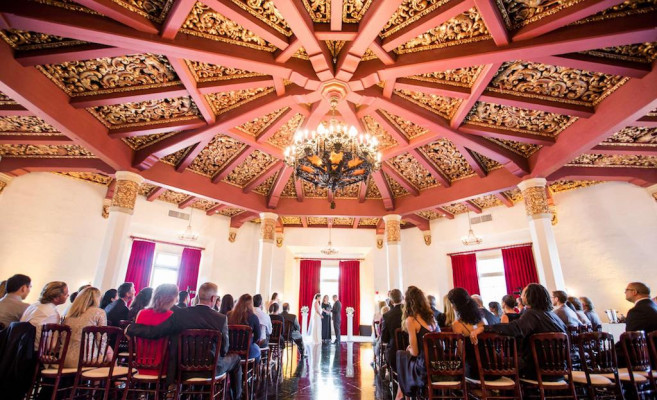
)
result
[(265, 253), (545, 249), (393, 251), (116, 236)]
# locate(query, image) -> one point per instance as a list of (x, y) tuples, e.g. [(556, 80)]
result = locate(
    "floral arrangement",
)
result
[(349, 310), (304, 309)]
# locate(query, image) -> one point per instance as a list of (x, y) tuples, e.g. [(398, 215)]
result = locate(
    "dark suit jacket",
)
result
[(17, 359), (491, 318), (642, 317), (296, 329), (389, 323), (336, 310), (439, 317), (117, 311)]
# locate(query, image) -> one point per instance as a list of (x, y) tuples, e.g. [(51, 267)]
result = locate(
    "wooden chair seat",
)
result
[(596, 379), (146, 378), (624, 375), (200, 379), (96, 373), (561, 384), (49, 372), (500, 383), (447, 384)]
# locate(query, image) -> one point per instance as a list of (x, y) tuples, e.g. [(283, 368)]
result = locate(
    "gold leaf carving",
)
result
[(407, 13), (369, 55), (413, 171), (373, 127), (393, 232), (28, 125), (6, 101), (44, 151), (317, 221), (456, 208), (174, 158), (173, 197), (204, 72), (515, 195), (463, 77), (624, 9), (301, 53), (154, 10), (519, 120), (343, 221), (334, 47), (487, 201), (27, 40), (259, 124), (368, 221), (283, 137), (265, 11), (125, 194), (441, 105), (485, 162), (319, 10), (353, 10), (91, 177), (524, 149), (216, 154), (68, 5), (288, 220), (615, 160), (265, 187), (428, 214), (289, 191), (448, 159), (312, 191), (146, 188), (396, 189), (253, 166), (225, 101), (518, 13), (409, 129), (372, 190), (203, 204), (536, 203), (348, 192), (146, 112), (230, 211), (139, 142), (565, 185), (634, 135), (644, 53)]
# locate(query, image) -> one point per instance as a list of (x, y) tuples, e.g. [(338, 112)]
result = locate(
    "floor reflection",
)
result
[(329, 372)]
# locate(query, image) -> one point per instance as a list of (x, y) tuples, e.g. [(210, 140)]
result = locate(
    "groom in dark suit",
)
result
[(336, 312)]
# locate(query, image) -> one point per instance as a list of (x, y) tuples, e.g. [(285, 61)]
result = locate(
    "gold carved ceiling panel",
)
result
[(385, 139), (253, 166), (369, 55), (373, 191), (463, 77), (409, 129), (207, 23), (456, 208), (487, 201), (265, 187), (624, 9), (407, 13), (519, 13), (396, 189), (111, 75), (343, 221), (203, 204), (6, 100), (353, 10), (312, 191), (319, 10), (28, 40), (317, 221), (412, 170), (225, 101), (289, 191), (368, 221), (25, 125), (154, 10), (428, 214), (301, 54), (171, 196), (616, 160), (441, 105), (548, 82), (215, 155), (485, 162), (348, 192), (146, 188), (146, 112), (334, 47), (139, 142), (516, 119), (448, 159), (230, 211), (633, 135), (259, 124), (44, 151), (291, 220), (644, 53), (515, 195), (524, 149), (204, 72), (100, 179), (468, 27), (565, 185), (283, 137), (266, 11), (174, 158)]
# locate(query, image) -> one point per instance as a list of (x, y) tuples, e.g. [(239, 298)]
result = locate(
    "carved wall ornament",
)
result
[(615, 160), (353, 10), (485, 162), (368, 221), (265, 11), (268, 229), (393, 231), (290, 220), (555, 218), (565, 185), (645, 53), (139, 142), (407, 13), (396, 189), (225, 101), (524, 149), (463, 77), (265, 187), (410, 168), (250, 169), (279, 240), (44, 151), (284, 136), (220, 151), (624, 9), (373, 191), (373, 128), (428, 214), (317, 221), (289, 191), (379, 242), (232, 235), (173, 197), (409, 129), (319, 10), (3, 185), (634, 135), (146, 112), (25, 124), (536, 203), (446, 157), (313, 192), (441, 105), (334, 47), (99, 179), (516, 119), (427, 238), (487, 201), (27, 40), (465, 28), (125, 196), (106, 208), (519, 13), (549, 82), (369, 55), (259, 124), (154, 10), (204, 72), (174, 158), (207, 23), (301, 54)]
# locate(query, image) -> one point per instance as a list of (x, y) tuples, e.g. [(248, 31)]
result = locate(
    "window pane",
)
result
[(330, 273), (163, 275), (491, 279), (167, 260), (328, 284)]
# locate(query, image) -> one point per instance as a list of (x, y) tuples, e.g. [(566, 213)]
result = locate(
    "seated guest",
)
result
[(495, 308), (520, 305), (579, 310), (243, 314), (378, 314), (265, 321), (217, 304), (142, 300), (536, 318), (643, 316), (469, 319), (183, 299), (440, 317), (389, 323), (84, 312), (109, 297), (508, 307), (490, 318), (227, 304), (448, 310), (296, 330), (72, 296), (274, 299), (159, 311), (12, 305), (201, 316), (273, 313), (45, 311), (418, 320), (568, 316), (118, 311), (589, 310)]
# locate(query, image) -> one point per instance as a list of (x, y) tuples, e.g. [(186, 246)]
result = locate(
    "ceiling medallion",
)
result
[(333, 156), (471, 239)]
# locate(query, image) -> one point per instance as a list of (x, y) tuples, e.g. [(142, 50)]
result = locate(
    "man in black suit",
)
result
[(118, 310), (336, 313), (437, 315), (490, 318), (296, 330), (183, 299), (389, 323), (643, 316), (201, 316)]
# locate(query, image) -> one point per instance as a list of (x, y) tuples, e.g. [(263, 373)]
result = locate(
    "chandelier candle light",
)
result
[(471, 238)]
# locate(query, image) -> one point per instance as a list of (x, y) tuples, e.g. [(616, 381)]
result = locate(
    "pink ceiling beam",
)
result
[(490, 13), (188, 202), (9, 164), (155, 193), (266, 174), (336, 15), (279, 85), (187, 78), (444, 213), (380, 227), (253, 82), (317, 113), (59, 55), (151, 129), (396, 134), (639, 176), (433, 19), (625, 149), (298, 188), (472, 161), (283, 56), (330, 196), (215, 209), (355, 224), (504, 199), (384, 188), (323, 31), (472, 206), (481, 82), (439, 89), (227, 168), (110, 190), (362, 192), (648, 122), (176, 18), (385, 57), (575, 110), (274, 127), (500, 133), (596, 64), (35, 92), (564, 17), (120, 14), (14, 109), (304, 222), (236, 221), (401, 179), (436, 173), (279, 185), (249, 140), (421, 223), (34, 139), (132, 96), (637, 97), (188, 158)]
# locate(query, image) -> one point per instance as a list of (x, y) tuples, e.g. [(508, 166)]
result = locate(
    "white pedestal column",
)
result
[(545, 249), (350, 361), (304, 323), (393, 251), (118, 227), (265, 253), (350, 327)]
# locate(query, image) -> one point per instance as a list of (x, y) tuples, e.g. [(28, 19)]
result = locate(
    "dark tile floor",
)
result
[(332, 372)]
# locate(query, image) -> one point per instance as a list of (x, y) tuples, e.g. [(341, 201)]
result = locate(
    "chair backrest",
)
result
[(151, 354), (198, 351), (123, 343), (444, 355), (287, 332), (401, 339), (496, 355), (276, 331), (585, 328), (635, 350), (53, 344), (94, 346), (597, 352), (240, 339), (551, 353), (652, 345)]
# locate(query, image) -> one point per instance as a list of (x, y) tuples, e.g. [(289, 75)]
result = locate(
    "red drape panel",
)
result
[(188, 272), (349, 293), (310, 270), (140, 263), (464, 269), (519, 267)]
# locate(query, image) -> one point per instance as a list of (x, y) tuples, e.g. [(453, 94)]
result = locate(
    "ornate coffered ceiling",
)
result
[(203, 97)]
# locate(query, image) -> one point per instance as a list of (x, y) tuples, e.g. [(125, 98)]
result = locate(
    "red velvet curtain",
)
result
[(310, 270), (464, 269), (188, 272), (349, 293), (519, 267), (140, 264)]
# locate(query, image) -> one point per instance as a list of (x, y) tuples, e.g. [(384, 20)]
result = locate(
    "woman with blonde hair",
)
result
[(450, 315), (84, 311)]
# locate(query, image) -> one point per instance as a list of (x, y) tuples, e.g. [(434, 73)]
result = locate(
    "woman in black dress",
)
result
[(508, 306), (469, 319), (326, 319)]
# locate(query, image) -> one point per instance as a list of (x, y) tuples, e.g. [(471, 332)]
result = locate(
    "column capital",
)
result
[(532, 182), (129, 176), (268, 226), (535, 196), (393, 228), (125, 191), (268, 215)]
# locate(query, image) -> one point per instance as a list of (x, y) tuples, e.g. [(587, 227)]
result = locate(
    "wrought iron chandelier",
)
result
[(334, 155), (330, 250), (471, 238)]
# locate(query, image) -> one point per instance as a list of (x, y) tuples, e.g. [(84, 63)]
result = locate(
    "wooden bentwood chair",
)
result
[(198, 353), (497, 363), (599, 374), (444, 357), (241, 337), (639, 374), (147, 354), (551, 354), (51, 354)]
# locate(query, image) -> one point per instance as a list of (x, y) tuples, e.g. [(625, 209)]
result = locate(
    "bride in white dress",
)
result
[(316, 333)]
